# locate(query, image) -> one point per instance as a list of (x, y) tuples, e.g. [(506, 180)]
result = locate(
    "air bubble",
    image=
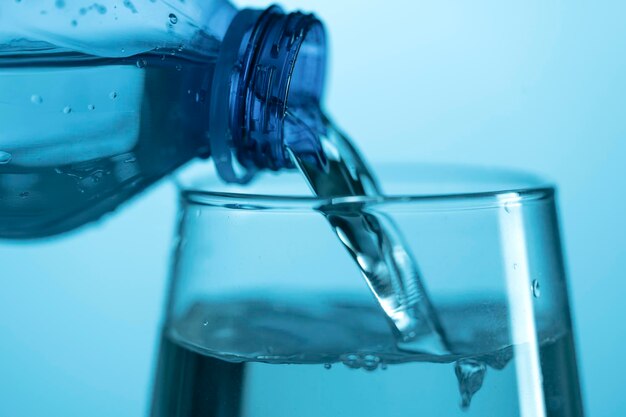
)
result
[(141, 63), (91, 107), (24, 194), (536, 289), (200, 96), (5, 157), (328, 365), (370, 362), (173, 18), (351, 361), (36, 99), (205, 323), (113, 95), (59, 4), (67, 109)]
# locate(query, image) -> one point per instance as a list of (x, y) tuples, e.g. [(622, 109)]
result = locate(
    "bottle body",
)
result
[(96, 109), (85, 134), (99, 102)]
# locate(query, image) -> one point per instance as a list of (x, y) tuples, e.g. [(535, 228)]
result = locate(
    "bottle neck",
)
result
[(268, 61)]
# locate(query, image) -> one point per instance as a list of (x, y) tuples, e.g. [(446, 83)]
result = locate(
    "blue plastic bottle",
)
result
[(99, 102)]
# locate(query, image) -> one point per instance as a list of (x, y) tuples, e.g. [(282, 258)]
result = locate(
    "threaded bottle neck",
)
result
[(269, 60)]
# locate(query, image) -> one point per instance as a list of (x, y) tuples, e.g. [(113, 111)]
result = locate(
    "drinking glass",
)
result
[(269, 315)]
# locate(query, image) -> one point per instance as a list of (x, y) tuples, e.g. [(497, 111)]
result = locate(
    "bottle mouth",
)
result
[(269, 60)]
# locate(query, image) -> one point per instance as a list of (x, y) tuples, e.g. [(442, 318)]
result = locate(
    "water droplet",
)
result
[(67, 109), (100, 8), (91, 107), (328, 365), (536, 289), (5, 157), (173, 18), (141, 63), (470, 373), (113, 95), (36, 99), (130, 6)]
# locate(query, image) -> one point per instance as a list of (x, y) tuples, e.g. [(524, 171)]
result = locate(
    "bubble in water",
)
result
[(536, 288), (74, 22), (507, 206), (200, 96), (370, 362), (5, 157), (328, 365), (179, 67), (514, 266), (113, 95), (141, 63), (24, 194), (383, 366), (470, 373), (36, 99), (351, 361), (67, 109), (205, 323), (173, 18), (91, 107), (59, 4)]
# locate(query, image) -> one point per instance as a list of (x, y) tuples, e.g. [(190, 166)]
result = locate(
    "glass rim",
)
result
[(537, 189)]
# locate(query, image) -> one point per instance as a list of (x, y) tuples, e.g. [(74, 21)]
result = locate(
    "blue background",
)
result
[(536, 85)]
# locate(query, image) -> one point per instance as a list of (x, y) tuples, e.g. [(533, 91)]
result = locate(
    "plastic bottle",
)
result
[(100, 100)]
